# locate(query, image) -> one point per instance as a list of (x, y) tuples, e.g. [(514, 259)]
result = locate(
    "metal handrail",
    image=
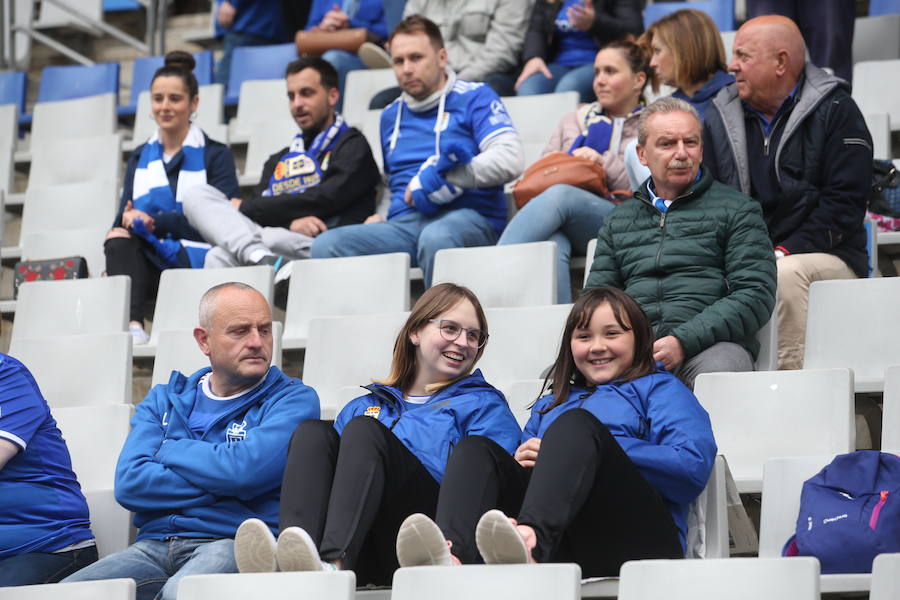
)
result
[(154, 43)]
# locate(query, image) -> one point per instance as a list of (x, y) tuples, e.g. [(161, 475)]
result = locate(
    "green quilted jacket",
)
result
[(703, 272)]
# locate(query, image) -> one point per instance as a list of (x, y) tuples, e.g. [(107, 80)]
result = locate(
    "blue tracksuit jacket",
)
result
[(471, 406), (179, 485), (660, 426)]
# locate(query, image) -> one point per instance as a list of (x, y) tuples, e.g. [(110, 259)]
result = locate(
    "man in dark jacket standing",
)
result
[(788, 134), (694, 253), (325, 178)]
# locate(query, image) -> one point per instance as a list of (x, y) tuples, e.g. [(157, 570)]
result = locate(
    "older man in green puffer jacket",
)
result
[(694, 253)]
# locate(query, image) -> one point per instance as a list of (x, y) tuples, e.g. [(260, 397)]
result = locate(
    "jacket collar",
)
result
[(697, 188), (182, 391), (395, 395)]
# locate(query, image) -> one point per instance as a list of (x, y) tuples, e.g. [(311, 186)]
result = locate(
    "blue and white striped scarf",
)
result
[(151, 192)]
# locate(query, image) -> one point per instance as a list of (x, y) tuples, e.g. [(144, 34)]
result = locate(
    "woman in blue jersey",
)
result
[(150, 223), (563, 37), (599, 132), (608, 464), (347, 488)]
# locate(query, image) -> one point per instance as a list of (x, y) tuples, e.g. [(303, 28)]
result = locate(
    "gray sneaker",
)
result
[(374, 56), (297, 551), (499, 541), (254, 548), (420, 542)]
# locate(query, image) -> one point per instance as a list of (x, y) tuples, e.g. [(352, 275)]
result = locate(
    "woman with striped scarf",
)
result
[(150, 232)]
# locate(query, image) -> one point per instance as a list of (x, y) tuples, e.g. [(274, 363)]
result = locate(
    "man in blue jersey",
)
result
[(207, 451), (448, 147), (44, 529)]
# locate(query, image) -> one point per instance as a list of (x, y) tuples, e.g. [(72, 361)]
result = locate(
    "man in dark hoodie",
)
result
[(325, 178), (788, 134)]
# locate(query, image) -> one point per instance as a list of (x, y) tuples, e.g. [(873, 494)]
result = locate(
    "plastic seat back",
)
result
[(530, 334), (852, 323), (72, 306), (336, 585), (761, 415), (79, 370), (744, 578), (68, 82), (257, 62), (502, 276), (559, 581), (331, 287), (327, 366)]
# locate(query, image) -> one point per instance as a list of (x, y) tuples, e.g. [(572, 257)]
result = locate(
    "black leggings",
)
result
[(351, 493), (585, 499), (125, 256)]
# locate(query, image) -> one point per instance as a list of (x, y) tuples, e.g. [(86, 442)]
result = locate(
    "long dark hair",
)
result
[(630, 317)]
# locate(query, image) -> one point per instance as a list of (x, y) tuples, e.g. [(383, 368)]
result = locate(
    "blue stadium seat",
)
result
[(721, 11), (883, 7), (257, 62), (77, 81), (146, 66), (12, 89), (120, 5)]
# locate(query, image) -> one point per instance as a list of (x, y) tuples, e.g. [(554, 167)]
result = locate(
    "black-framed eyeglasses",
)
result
[(450, 330)]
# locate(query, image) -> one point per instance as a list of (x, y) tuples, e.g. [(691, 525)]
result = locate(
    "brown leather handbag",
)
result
[(556, 168), (316, 43)]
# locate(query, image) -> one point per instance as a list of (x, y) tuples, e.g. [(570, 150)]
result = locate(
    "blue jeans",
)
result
[(343, 62), (565, 79), (563, 214), (44, 567), (413, 233), (158, 565)]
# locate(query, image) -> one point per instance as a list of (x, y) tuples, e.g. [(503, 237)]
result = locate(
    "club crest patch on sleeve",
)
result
[(373, 411), (236, 432)]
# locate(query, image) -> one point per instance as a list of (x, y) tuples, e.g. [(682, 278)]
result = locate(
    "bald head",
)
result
[(768, 57)]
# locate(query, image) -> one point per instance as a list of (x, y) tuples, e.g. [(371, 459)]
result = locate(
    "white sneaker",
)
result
[(499, 541), (374, 56), (138, 335), (297, 552), (420, 542), (254, 548)]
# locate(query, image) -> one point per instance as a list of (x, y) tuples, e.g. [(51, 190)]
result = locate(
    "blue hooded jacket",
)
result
[(659, 424), (179, 485), (470, 406)]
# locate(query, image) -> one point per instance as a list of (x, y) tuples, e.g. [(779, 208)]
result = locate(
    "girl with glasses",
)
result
[(608, 464), (347, 488)]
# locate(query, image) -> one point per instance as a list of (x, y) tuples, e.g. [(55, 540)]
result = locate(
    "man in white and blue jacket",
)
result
[(207, 451), (448, 146)]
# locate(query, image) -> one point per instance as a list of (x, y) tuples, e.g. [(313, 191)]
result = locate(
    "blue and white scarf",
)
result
[(600, 132), (151, 192), (300, 169)]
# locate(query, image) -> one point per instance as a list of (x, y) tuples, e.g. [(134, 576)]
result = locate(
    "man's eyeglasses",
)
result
[(450, 330)]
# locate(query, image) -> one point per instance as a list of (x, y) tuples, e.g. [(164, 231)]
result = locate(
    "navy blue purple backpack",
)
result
[(849, 512)]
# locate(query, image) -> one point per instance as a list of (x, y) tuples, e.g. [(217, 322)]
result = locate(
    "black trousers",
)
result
[(125, 256), (351, 492), (585, 499)]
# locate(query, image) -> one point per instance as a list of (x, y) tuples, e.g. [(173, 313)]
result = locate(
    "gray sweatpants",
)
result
[(723, 357), (235, 237)]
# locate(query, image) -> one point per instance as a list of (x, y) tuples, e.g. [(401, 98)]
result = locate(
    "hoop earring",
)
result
[(194, 116)]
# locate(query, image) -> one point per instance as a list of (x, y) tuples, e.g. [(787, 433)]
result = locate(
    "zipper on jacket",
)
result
[(768, 137), (873, 520)]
